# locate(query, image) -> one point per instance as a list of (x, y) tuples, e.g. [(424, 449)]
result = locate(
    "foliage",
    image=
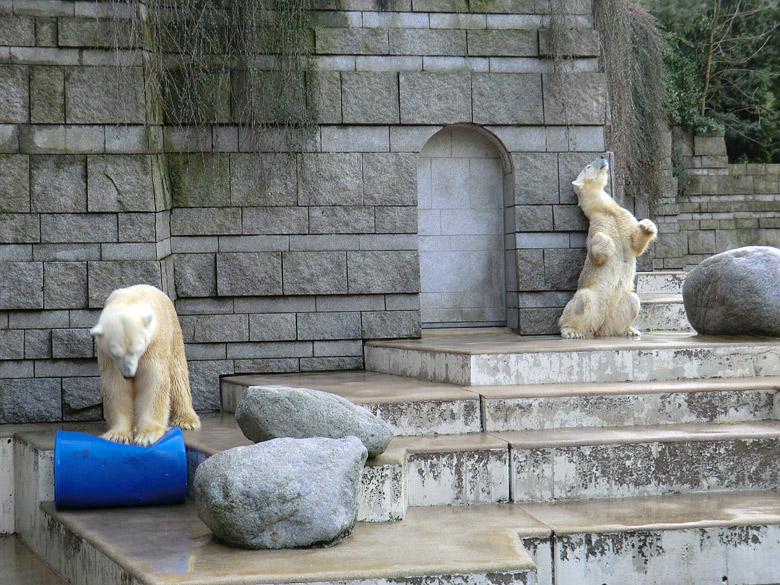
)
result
[(227, 61), (724, 71)]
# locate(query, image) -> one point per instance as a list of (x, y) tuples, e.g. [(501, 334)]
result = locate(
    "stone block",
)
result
[(16, 406), (249, 244), (15, 253), (249, 274), (540, 321), (378, 19), (204, 382), (54, 139), (536, 178), (338, 348), (508, 98), (46, 32), (9, 138), (317, 326), (435, 98), (562, 268), (306, 273), (16, 99), (355, 138), (341, 220), (503, 43), (402, 302), (200, 180), (701, 242), (389, 242), (424, 41), (330, 179), (66, 252), (575, 98), (384, 63), (369, 97), (11, 344), (373, 272), (71, 343), (708, 145), (103, 277), (22, 285), (14, 184), (574, 42), (120, 183), (214, 328), (104, 95), (396, 220), (37, 344), (78, 227), (389, 179), (458, 21), (530, 269), (204, 221), (276, 349), (263, 179), (19, 228), (38, 319), (507, 6), (328, 303), (275, 220), (136, 227), (351, 41), (58, 183), (569, 218), (534, 218), (390, 324), (327, 96), (81, 399), (127, 140), (65, 285), (272, 327), (586, 138), (47, 95), (92, 33), (17, 31), (195, 275)]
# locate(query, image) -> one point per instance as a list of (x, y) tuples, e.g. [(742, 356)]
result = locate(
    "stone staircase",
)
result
[(516, 460)]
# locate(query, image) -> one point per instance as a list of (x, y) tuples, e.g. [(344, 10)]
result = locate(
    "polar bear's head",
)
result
[(592, 177), (124, 332)]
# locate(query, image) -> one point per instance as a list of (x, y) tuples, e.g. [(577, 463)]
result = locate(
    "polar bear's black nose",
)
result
[(127, 377), (603, 162)]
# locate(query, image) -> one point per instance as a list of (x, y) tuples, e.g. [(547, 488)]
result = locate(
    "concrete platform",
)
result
[(660, 282), (19, 566), (662, 312), (499, 356)]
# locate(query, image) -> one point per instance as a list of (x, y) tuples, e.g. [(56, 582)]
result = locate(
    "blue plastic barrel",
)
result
[(90, 472)]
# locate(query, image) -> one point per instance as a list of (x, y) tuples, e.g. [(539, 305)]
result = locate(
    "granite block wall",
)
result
[(277, 261)]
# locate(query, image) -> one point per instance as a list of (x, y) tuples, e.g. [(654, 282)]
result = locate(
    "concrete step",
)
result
[(19, 566), (573, 464), (662, 312), (660, 282), (409, 406), (617, 404), (498, 356)]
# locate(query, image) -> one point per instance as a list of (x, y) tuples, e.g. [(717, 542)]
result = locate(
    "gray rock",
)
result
[(735, 293), (285, 493), (269, 412)]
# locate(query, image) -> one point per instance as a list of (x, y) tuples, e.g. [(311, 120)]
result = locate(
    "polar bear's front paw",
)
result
[(186, 423), (567, 333), (631, 332), (149, 437), (648, 226), (118, 436)]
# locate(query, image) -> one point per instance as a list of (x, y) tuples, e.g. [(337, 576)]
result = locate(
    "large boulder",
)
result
[(284, 493), (735, 293), (271, 412)]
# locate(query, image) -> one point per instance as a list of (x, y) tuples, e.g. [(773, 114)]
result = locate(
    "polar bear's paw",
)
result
[(118, 436), (186, 423), (631, 332), (648, 226), (568, 333), (149, 437)]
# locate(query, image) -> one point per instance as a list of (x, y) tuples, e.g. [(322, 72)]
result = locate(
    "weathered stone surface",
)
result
[(508, 98), (214, 328), (28, 400), (328, 96), (22, 285), (536, 178), (396, 220), (383, 272), (275, 220), (562, 268), (249, 274), (71, 343), (14, 184), (390, 324), (334, 219), (137, 227), (81, 398), (11, 344), (65, 285), (37, 344), (424, 41), (204, 382), (59, 183), (389, 178), (504, 43), (104, 95), (272, 412), (369, 98), (263, 179), (205, 221), (308, 273), (17, 31), (285, 493), (120, 183), (577, 98), (735, 293), (316, 326), (272, 327), (331, 179), (351, 41), (200, 180), (47, 95), (19, 228), (106, 276), (195, 275), (435, 98), (78, 227), (13, 88)]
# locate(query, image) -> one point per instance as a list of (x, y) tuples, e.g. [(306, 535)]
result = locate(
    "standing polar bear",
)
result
[(143, 371), (605, 303)]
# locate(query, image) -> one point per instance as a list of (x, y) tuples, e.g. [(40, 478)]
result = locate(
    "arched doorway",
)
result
[(460, 192)]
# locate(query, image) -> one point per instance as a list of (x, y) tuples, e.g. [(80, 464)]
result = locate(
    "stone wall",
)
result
[(729, 206), (277, 262)]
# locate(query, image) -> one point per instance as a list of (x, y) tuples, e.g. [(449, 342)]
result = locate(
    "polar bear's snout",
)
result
[(603, 163), (127, 366)]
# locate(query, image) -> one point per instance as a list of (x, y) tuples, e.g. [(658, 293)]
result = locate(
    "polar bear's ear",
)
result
[(96, 331), (148, 317)]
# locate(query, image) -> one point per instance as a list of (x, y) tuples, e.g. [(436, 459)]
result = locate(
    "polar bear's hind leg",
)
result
[(582, 316)]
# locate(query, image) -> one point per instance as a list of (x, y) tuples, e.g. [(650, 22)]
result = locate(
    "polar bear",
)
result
[(143, 371), (605, 303)]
